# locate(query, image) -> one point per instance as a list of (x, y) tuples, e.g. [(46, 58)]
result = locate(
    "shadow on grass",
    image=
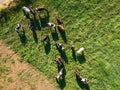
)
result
[(64, 56), (63, 35), (37, 23), (47, 47), (35, 36), (74, 55), (81, 58), (4, 17), (55, 36), (82, 85), (45, 18), (33, 28), (62, 82), (23, 37)]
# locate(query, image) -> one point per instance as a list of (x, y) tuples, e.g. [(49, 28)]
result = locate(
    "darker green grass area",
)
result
[(92, 24)]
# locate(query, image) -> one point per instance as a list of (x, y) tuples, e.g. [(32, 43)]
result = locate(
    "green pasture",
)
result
[(92, 24)]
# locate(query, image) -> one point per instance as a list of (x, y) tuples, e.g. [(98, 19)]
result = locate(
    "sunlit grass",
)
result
[(94, 25)]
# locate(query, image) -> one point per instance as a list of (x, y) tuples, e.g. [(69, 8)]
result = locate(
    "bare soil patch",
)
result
[(6, 3), (21, 76)]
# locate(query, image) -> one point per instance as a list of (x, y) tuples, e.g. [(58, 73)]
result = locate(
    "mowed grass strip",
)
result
[(94, 25)]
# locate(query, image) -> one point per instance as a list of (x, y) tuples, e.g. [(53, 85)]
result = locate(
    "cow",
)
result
[(51, 24), (26, 9), (81, 50), (59, 74), (60, 45), (30, 23), (32, 11), (60, 27), (72, 48), (18, 28), (81, 79), (59, 61), (45, 38), (40, 9), (59, 21)]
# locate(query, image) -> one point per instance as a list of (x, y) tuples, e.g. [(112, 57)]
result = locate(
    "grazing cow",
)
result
[(60, 45), (59, 21), (51, 24), (59, 74), (45, 38), (72, 48), (60, 27), (80, 50), (30, 23), (26, 9), (59, 61), (40, 9), (18, 28), (79, 77), (60, 58), (60, 24), (85, 80), (32, 11)]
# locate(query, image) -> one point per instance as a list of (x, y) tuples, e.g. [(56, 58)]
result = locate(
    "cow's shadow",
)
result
[(63, 35), (47, 47), (44, 18), (55, 36), (37, 23), (33, 29), (23, 37), (74, 55), (81, 58)]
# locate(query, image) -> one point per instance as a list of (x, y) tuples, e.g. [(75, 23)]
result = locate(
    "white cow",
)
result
[(59, 74), (18, 28), (85, 81), (80, 50), (26, 9), (51, 24)]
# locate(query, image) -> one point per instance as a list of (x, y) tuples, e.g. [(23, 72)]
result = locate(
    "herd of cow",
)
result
[(61, 68)]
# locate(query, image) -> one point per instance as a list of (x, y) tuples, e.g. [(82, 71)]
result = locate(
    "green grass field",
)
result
[(92, 24)]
